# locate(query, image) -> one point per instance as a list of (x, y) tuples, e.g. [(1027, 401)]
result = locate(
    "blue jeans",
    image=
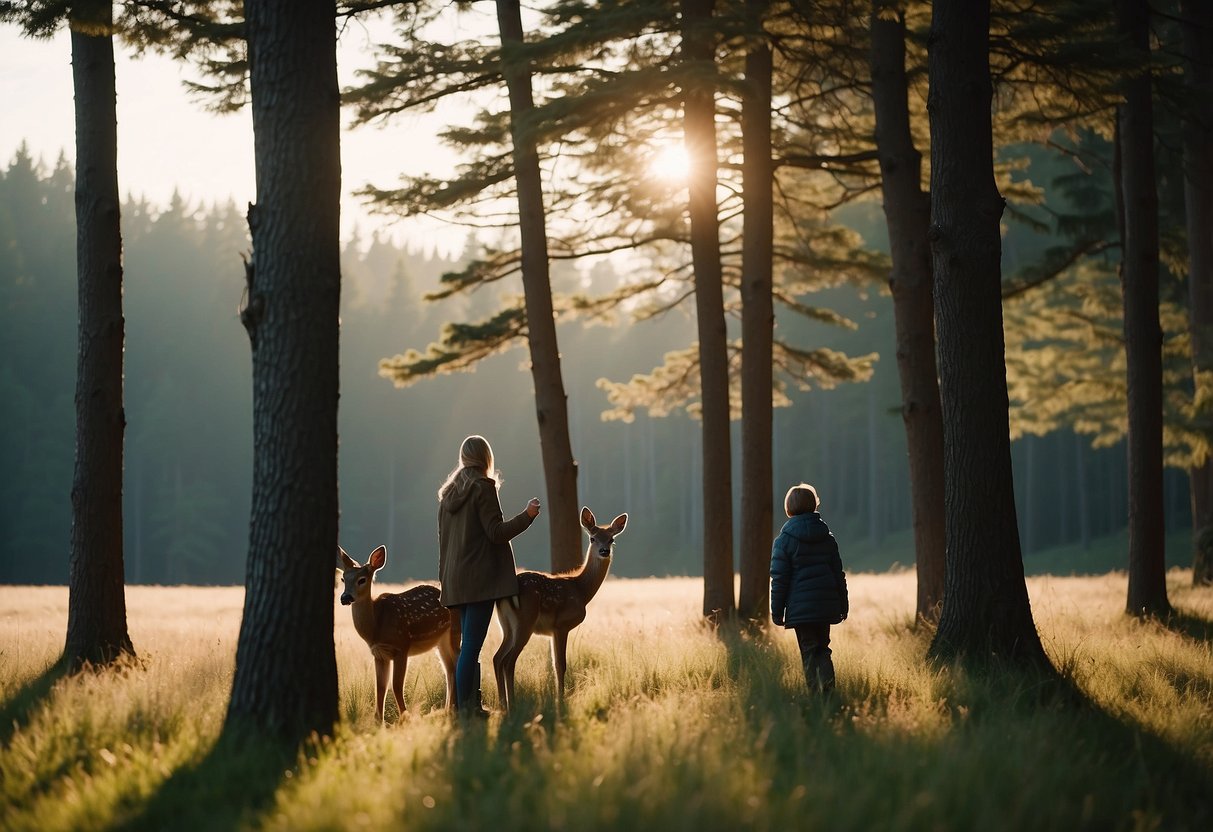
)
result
[(474, 619)]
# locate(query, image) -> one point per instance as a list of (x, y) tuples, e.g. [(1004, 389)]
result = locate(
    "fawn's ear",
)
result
[(618, 524), (587, 519), (377, 558), (345, 561)]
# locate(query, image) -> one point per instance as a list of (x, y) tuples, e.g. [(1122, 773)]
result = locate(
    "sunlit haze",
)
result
[(670, 162), (169, 142)]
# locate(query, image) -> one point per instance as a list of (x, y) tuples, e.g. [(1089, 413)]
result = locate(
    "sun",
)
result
[(670, 162)]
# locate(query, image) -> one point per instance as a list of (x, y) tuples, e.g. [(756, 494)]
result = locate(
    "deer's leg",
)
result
[(524, 629), (398, 668), (381, 673), (511, 659), (560, 643), (516, 627), (503, 667), (505, 620), (448, 654)]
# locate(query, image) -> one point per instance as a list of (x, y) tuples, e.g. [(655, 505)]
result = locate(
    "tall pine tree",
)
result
[(986, 611), (1197, 25), (757, 318), (285, 682), (1143, 334), (96, 619), (699, 131), (907, 215), (551, 403)]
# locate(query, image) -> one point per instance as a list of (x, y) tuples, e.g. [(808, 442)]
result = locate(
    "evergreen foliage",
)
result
[(611, 79), (1065, 342)]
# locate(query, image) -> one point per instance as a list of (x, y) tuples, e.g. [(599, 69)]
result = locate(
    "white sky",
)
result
[(167, 141)]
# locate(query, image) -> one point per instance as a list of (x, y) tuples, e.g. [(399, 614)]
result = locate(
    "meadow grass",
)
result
[(668, 725)]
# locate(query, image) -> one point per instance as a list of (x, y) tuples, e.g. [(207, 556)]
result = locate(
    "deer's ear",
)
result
[(378, 558), (345, 561), (618, 524), (587, 519)]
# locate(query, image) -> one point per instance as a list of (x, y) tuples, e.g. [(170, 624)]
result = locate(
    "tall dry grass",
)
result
[(668, 725)]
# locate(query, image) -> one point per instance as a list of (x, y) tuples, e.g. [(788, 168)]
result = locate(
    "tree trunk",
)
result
[(285, 682), (986, 612), (907, 213), (1197, 26), (96, 612), (551, 403), (699, 125), (1143, 333), (757, 322)]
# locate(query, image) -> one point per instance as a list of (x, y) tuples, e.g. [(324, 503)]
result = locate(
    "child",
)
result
[(808, 586)]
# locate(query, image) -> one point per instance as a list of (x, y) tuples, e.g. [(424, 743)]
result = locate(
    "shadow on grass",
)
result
[(970, 748), (1154, 773), (768, 690), (534, 715), (996, 719), (19, 709), (483, 762), (1172, 779), (1189, 625), (229, 788)]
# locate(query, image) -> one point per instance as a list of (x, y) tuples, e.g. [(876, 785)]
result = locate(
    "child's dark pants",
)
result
[(814, 641)]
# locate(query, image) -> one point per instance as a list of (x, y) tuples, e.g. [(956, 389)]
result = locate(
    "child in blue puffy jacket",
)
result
[(808, 586)]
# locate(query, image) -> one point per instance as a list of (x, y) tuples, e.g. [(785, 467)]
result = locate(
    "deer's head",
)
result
[(602, 538), (358, 577)]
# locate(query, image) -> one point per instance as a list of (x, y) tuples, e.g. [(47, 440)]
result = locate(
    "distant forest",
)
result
[(189, 399)]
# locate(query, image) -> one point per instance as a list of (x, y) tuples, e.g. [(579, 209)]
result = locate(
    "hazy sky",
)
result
[(167, 141)]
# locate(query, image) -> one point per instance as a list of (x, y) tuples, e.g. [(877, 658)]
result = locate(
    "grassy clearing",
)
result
[(668, 726)]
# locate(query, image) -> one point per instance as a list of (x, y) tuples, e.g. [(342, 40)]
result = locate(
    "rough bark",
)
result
[(757, 322), (1197, 17), (907, 215), (699, 114), (1143, 334), (986, 612), (96, 616), (551, 402), (285, 682)]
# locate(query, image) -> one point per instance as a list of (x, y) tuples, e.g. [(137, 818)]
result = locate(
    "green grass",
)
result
[(668, 725)]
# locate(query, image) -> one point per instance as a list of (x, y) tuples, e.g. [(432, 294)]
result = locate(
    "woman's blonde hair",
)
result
[(800, 499), (475, 461)]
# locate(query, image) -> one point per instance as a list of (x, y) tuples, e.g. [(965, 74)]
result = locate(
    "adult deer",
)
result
[(396, 625), (552, 605)]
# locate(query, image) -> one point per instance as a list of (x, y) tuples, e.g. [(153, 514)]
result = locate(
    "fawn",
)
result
[(396, 625), (552, 605)]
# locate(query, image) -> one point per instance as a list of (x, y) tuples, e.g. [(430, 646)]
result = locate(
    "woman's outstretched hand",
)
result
[(532, 508)]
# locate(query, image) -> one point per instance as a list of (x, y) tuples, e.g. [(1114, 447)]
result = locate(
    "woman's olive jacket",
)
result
[(475, 559), (808, 585)]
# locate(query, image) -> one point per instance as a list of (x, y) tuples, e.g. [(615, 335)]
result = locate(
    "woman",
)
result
[(475, 559)]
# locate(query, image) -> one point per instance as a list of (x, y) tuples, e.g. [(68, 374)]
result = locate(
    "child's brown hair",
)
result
[(800, 499)]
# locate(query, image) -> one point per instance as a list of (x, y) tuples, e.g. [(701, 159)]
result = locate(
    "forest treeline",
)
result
[(188, 403)]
